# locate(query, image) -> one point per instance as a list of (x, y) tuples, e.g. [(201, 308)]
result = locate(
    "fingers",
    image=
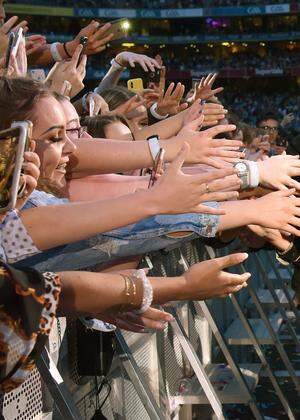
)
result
[(226, 128), (197, 123), (162, 82), (82, 66), (7, 26), (226, 153), (179, 160), (32, 157), (158, 315), (100, 33), (213, 175), (231, 260), (31, 169), (208, 210), (220, 196), (226, 144), (75, 58)]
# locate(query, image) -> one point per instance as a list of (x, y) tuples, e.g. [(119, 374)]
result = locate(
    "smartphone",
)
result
[(14, 142), (11, 41), (119, 28), (158, 167), (135, 85), (83, 41), (147, 76), (38, 74), (91, 107), (18, 38)]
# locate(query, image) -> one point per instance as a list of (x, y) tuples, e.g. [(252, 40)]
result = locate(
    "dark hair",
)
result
[(96, 125), (270, 115), (18, 99)]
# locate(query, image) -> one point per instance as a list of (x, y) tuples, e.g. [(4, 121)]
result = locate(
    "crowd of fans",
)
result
[(119, 172), (149, 5)]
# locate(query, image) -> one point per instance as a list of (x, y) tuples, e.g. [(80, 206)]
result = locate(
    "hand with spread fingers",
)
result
[(184, 193), (213, 113), (130, 59), (97, 35), (203, 90), (72, 71), (129, 106), (169, 101), (278, 210), (278, 172), (207, 279), (207, 150)]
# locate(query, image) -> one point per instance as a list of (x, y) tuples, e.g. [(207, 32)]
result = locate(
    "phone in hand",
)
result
[(135, 85), (158, 167), (14, 142), (19, 37), (119, 28), (11, 41), (147, 76)]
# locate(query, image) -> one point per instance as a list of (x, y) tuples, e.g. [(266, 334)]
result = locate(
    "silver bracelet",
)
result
[(147, 292)]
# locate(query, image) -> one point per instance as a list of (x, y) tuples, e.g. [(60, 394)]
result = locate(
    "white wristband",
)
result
[(253, 174), (116, 65), (54, 52), (155, 114), (154, 147), (147, 292)]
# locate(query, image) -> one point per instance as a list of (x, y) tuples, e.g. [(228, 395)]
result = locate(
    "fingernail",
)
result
[(169, 318), (245, 256)]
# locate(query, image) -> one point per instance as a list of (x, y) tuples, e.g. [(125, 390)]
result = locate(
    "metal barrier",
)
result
[(154, 375)]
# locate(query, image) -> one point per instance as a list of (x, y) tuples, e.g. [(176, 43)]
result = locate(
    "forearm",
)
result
[(104, 187), (120, 156), (77, 221), (238, 213), (110, 80), (95, 293), (164, 129)]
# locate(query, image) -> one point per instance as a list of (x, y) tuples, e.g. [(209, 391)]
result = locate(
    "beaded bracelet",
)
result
[(147, 292)]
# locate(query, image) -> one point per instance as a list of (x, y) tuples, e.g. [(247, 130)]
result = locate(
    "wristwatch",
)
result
[(243, 174), (154, 147)]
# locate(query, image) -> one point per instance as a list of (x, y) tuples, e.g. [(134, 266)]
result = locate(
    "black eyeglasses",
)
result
[(77, 131), (268, 128)]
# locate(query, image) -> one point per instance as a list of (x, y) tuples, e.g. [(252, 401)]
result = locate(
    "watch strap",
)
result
[(154, 146)]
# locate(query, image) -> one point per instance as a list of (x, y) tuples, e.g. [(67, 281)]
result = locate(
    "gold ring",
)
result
[(207, 188)]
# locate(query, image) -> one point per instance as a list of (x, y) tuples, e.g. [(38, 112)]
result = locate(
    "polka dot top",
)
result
[(15, 242)]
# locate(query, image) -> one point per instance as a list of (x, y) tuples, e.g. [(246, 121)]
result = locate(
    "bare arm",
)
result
[(77, 221), (123, 156), (110, 80), (164, 129)]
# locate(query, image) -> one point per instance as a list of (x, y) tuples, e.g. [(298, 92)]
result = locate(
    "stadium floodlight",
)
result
[(126, 25)]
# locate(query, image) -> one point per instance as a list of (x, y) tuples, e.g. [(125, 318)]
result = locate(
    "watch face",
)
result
[(240, 166)]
